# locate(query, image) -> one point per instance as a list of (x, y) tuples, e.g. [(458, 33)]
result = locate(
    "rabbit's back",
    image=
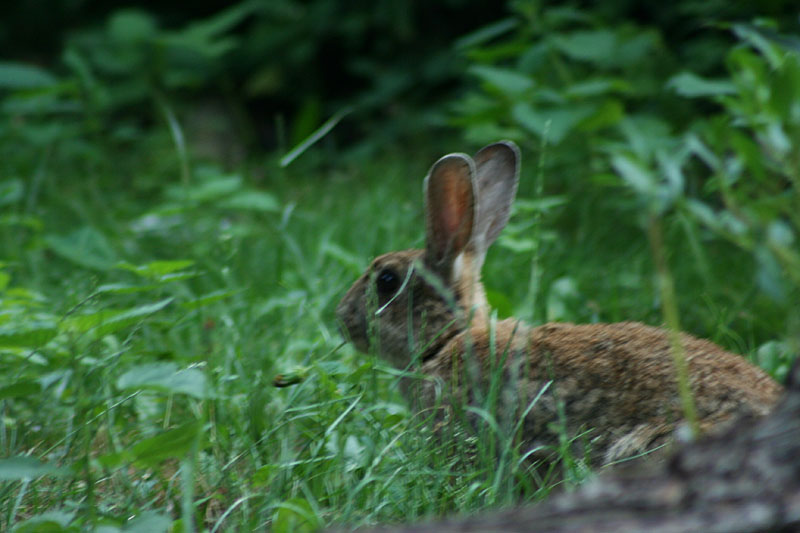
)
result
[(617, 380)]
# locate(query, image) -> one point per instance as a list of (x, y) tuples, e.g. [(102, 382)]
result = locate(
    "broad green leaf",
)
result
[(486, 33), (252, 201), (20, 389), (635, 175), (562, 294), (596, 87), (25, 221), (289, 300), (123, 288), (645, 135), (24, 76), (609, 113), (208, 299), (215, 189), (295, 516), (779, 233), (24, 354), (551, 123), (763, 42), (786, 87), (500, 303), (522, 245), (166, 377), (703, 213), (224, 20), (32, 334), (774, 357), (101, 323), (770, 276), (162, 219), (10, 191), (156, 269), (131, 26), (86, 247), (25, 296), (264, 475), (543, 204), (777, 139), (198, 43), (508, 81), (47, 522), (177, 276), (733, 224), (24, 467), (693, 86), (171, 444), (597, 46), (353, 452), (210, 37)]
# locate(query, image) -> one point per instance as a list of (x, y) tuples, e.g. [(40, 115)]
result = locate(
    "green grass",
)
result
[(142, 323), (150, 299), (143, 326)]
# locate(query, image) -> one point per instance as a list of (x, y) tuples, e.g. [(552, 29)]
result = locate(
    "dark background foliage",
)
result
[(304, 60)]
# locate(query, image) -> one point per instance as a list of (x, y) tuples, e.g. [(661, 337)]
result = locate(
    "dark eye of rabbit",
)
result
[(387, 282)]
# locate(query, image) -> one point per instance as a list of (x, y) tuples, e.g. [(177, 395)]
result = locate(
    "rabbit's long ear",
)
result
[(449, 211), (497, 177)]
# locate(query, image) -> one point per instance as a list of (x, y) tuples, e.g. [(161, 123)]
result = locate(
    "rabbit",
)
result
[(426, 311)]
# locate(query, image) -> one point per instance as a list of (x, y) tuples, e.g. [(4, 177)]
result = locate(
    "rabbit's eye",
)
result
[(387, 282)]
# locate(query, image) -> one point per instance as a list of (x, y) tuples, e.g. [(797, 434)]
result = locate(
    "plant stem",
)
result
[(669, 308)]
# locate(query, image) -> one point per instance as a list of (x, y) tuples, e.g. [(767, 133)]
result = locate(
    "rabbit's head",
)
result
[(408, 304)]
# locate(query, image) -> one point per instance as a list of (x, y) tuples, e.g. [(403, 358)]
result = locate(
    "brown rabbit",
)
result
[(426, 311)]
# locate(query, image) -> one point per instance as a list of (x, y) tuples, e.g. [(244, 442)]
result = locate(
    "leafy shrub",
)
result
[(149, 301), (626, 133)]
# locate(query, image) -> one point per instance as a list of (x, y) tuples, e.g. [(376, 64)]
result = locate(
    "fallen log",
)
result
[(744, 480)]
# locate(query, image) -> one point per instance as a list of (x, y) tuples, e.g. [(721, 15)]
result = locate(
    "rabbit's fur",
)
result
[(617, 380)]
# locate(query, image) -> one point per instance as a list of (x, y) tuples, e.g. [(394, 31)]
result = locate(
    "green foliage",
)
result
[(166, 332), (295, 515), (626, 126), (295, 63), (15, 468)]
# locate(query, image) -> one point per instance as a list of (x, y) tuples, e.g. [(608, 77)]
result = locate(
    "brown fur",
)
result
[(616, 380)]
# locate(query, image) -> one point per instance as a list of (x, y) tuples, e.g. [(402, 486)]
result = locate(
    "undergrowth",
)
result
[(151, 300)]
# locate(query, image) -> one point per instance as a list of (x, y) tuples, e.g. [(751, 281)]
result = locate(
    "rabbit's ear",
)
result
[(449, 211), (497, 177)]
